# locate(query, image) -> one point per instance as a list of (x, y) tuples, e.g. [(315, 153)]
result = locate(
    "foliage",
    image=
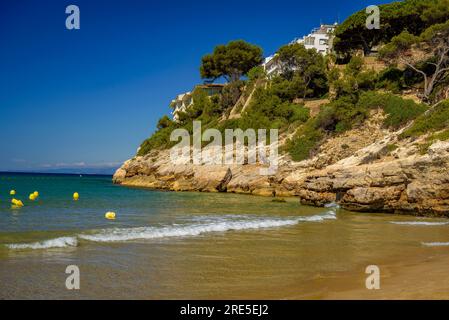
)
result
[(272, 110), (412, 15), (407, 27), (256, 73), (231, 61), (432, 64), (436, 11), (399, 111), (437, 119), (159, 140), (305, 142), (304, 68), (231, 94), (392, 79), (343, 114), (398, 44), (353, 80), (164, 122), (340, 115)]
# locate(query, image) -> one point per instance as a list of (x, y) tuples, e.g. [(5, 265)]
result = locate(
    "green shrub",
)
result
[(399, 111), (305, 141), (340, 115), (436, 120), (256, 73), (300, 113), (164, 122), (442, 136), (391, 79), (231, 94), (159, 140), (355, 66)]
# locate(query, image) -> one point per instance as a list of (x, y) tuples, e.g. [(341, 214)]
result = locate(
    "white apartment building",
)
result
[(319, 39), (180, 104), (184, 101), (270, 65)]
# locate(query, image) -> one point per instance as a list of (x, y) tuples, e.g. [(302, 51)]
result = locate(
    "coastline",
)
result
[(413, 184), (168, 245)]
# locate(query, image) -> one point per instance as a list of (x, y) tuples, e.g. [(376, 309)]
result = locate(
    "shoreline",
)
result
[(412, 184), (406, 278), (286, 197)]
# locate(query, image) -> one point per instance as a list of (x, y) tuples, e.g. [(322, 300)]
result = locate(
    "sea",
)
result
[(171, 245)]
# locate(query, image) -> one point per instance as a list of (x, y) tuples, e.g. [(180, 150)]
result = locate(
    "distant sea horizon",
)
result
[(87, 172)]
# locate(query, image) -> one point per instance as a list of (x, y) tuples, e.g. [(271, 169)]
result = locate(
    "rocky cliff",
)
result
[(358, 170)]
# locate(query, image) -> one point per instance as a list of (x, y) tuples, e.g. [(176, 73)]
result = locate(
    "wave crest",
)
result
[(435, 244), (47, 244), (146, 233), (197, 226)]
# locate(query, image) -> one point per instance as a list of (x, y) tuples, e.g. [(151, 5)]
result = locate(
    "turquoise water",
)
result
[(188, 245), (55, 213)]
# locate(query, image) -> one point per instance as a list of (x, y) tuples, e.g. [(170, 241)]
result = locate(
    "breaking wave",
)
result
[(436, 244), (189, 230), (63, 242), (197, 226)]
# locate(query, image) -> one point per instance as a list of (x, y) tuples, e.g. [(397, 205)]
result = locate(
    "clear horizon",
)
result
[(85, 99)]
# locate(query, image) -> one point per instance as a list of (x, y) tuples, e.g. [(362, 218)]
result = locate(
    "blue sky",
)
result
[(87, 98)]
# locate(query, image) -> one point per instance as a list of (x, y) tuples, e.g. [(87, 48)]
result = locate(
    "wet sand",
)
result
[(417, 280)]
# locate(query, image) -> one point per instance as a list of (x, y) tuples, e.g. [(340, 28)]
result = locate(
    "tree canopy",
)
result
[(411, 15), (231, 61), (305, 69), (427, 54)]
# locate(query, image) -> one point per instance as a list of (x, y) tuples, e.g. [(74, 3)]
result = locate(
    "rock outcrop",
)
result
[(372, 179)]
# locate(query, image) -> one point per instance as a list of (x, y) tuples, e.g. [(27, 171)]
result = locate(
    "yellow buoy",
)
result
[(36, 194), (110, 215), (17, 203), (76, 196), (12, 192), (32, 197)]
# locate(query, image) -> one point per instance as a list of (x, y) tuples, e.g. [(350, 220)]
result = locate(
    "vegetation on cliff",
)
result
[(231, 61), (414, 55), (413, 15)]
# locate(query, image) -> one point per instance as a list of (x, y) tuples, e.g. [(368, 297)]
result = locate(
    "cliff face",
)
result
[(367, 177)]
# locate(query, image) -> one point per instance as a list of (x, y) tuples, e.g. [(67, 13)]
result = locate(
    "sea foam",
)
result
[(47, 244), (332, 205), (436, 244), (197, 226), (196, 229)]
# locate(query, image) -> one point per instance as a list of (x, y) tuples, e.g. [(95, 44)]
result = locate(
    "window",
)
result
[(309, 41), (324, 42)]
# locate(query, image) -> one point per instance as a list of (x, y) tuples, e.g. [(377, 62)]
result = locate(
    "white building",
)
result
[(319, 39), (270, 65), (180, 104), (185, 100)]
